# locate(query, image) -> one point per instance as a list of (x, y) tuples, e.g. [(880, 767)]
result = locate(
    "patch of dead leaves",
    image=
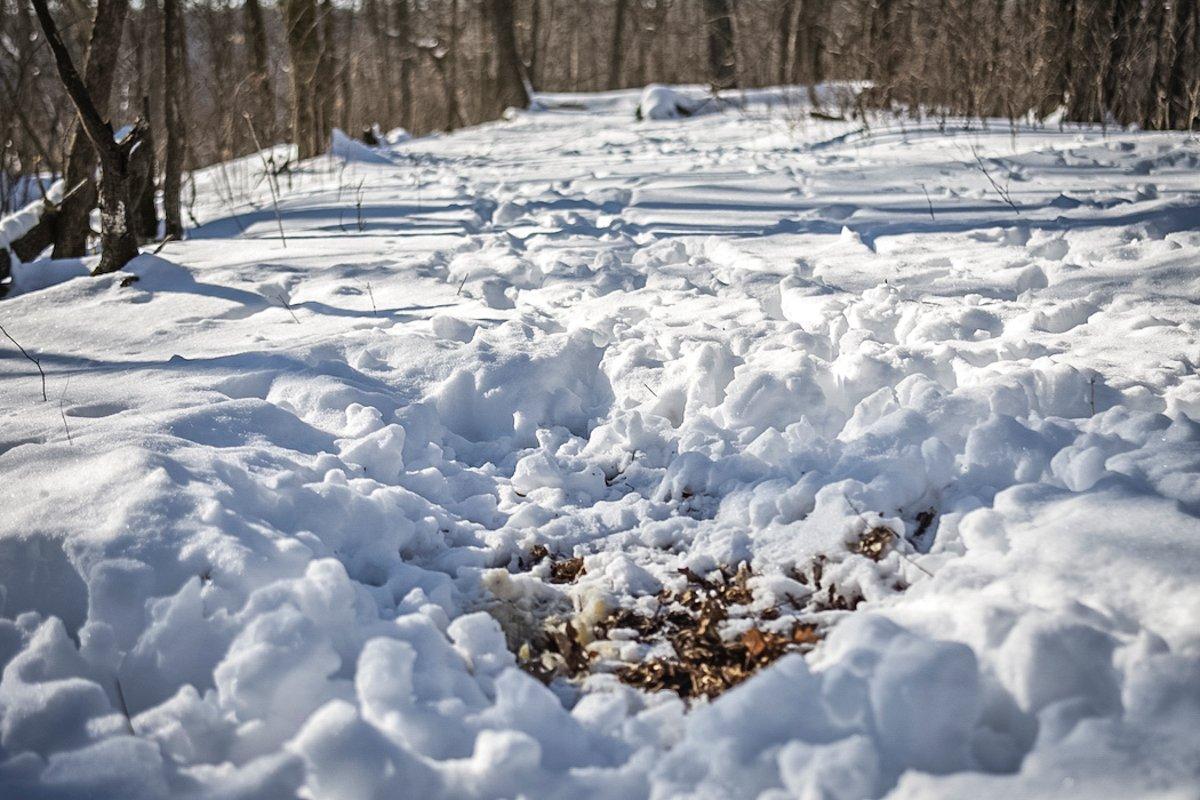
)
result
[(562, 570), (691, 620)]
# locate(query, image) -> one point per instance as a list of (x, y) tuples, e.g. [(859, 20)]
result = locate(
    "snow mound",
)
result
[(663, 102)]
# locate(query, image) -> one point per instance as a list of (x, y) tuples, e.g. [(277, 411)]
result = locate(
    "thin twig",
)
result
[(1005, 196), (371, 295), (270, 178), (460, 286), (35, 361), (170, 238), (124, 707), (928, 202), (358, 205), (62, 397), (288, 306)]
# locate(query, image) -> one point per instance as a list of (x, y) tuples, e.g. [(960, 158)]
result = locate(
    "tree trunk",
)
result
[(510, 81), (304, 50), (117, 222), (535, 42), (722, 66), (176, 133), (453, 112), (404, 68), (259, 70), (789, 23), (616, 54), (99, 67), (1179, 86), (326, 85), (1117, 74), (345, 69), (142, 171)]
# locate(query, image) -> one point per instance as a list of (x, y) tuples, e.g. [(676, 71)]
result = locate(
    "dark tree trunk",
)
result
[(722, 66), (176, 133), (99, 67), (814, 37), (346, 118), (454, 115), (142, 173), (616, 51), (304, 50), (383, 45), (1181, 84), (118, 241), (1117, 74), (327, 66), (404, 68), (788, 14), (510, 80), (1160, 22), (259, 70), (535, 42)]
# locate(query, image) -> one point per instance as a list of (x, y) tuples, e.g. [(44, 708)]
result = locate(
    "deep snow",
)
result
[(280, 494)]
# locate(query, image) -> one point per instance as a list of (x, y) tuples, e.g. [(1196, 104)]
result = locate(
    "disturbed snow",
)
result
[(279, 495)]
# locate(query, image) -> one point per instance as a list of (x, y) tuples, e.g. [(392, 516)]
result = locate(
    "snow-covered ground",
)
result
[(280, 498)]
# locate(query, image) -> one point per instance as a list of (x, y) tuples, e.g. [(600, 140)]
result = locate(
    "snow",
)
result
[(280, 498)]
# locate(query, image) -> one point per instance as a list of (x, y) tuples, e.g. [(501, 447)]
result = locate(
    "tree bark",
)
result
[(404, 68), (176, 133), (259, 70), (1179, 87), (535, 39), (142, 177), (722, 65), (99, 68), (510, 80), (616, 51), (117, 238), (454, 115), (789, 24), (1117, 74), (327, 66), (304, 50)]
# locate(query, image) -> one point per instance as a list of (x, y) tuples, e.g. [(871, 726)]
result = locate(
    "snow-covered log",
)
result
[(31, 230)]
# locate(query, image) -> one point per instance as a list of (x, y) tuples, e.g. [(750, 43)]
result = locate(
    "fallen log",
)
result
[(31, 230)]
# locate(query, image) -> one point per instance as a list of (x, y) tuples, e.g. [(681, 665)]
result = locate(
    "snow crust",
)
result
[(276, 503)]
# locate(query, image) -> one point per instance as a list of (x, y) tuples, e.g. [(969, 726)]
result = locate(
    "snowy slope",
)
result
[(281, 497)]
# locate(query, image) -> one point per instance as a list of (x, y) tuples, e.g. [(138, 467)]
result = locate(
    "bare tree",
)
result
[(510, 77), (99, 69), (722, 67), (118, 241), (1184, 83), (327, 69), (403, 34), (304, 51), (175, 60), (616, 52), (142, 187), (258, 69)]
